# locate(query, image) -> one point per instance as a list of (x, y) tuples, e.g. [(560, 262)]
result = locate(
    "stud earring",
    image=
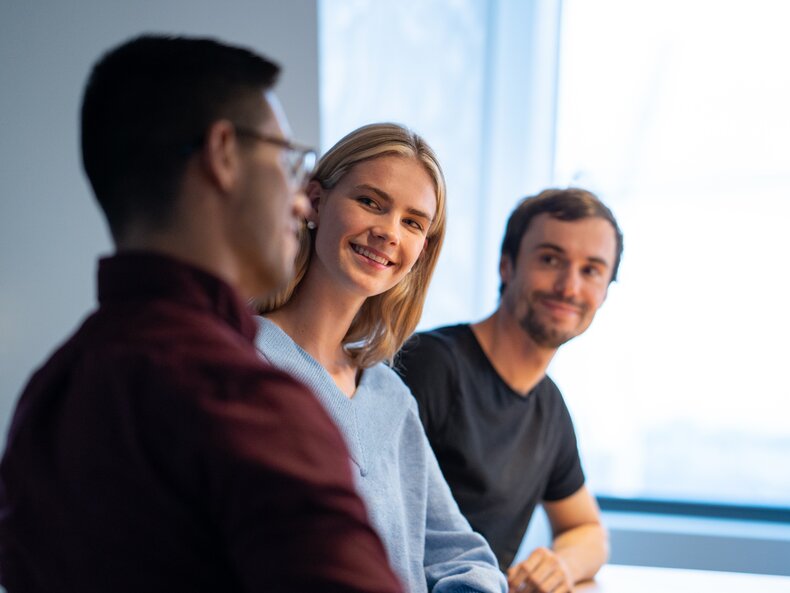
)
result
[(311, 225)]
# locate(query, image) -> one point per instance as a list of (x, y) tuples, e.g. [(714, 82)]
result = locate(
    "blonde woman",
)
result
[(371, 243)]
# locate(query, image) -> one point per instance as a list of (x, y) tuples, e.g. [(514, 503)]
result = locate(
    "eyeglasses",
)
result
[(300, 160)]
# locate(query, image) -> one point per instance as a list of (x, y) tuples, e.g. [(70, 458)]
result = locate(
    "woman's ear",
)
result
[(314, 193)]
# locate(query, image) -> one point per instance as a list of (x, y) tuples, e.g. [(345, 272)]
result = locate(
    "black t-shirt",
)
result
[(501, 452)]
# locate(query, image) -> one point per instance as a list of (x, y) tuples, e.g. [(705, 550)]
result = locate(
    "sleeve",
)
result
[(457, 559), (282, 496), (566, 475), (427, 367)]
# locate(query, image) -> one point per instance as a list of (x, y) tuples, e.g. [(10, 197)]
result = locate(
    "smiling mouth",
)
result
[(560, 306), (370, 255)]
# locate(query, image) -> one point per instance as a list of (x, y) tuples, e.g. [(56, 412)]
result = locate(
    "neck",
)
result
[(519, 361), (197, 236), (182, 246), (317, 318)]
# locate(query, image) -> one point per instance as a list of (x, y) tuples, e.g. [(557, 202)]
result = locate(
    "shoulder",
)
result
[(432, 349), (550, 395), (441, 338), (548, 389), (383, 379), (553, 403), (198, 361), (270, 399), (271, 339), (236, 405), (175, 347), (192, 376), (434, 365), (213, 373)]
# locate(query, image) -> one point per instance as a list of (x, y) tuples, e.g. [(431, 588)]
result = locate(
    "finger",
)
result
[(554, 583), (514, 571), (535, 563), (544, 572), (517, 574), (519, 580), (526, 586), (535, 559), (516, 580), (550, 577)]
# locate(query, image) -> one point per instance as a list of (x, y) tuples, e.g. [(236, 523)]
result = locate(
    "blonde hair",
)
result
[(385, 320)]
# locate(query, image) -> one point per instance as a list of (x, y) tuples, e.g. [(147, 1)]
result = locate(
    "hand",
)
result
[(543, 572)]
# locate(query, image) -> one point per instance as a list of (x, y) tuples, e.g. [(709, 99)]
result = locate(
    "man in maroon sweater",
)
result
[(154, 451)]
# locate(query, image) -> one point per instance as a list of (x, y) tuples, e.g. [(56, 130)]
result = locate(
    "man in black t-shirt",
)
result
[(498, 424)]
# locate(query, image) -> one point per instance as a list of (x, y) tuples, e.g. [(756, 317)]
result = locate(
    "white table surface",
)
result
[(641, 579)]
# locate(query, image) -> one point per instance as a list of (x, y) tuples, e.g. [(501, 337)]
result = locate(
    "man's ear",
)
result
[(314, 193), (220, 155), (605, 294), (505, 269)]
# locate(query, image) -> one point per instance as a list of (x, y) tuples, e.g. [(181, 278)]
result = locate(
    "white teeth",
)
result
[(381, 260)]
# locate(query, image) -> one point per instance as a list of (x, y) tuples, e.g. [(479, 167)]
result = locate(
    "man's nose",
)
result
[(568, 282)]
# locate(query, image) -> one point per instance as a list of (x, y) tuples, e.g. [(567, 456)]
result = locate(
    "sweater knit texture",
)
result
[(429, 543)]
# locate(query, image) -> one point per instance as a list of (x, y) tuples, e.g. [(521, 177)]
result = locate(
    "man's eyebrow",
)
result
[(388, 198), (550, 247), (554, 247)]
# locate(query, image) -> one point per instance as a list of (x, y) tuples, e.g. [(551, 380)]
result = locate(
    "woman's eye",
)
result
[(548, 259), (414, 224), (366, 201)]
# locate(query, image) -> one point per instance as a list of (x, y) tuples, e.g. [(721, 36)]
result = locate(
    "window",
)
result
[(675, 113), (420, 63)]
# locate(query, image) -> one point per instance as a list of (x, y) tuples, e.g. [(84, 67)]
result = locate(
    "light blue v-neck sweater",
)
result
[(430, 545)]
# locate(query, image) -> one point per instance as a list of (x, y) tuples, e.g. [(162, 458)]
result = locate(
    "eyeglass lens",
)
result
[(300, 164)]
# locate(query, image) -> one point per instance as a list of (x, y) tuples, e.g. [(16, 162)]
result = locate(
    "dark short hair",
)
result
[(563, 204), (147, 106)]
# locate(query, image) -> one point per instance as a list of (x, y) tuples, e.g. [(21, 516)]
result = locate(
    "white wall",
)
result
[(50, 230)]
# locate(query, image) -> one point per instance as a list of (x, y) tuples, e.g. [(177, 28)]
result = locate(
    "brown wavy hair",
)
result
[(567, 204), (385, 320)]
